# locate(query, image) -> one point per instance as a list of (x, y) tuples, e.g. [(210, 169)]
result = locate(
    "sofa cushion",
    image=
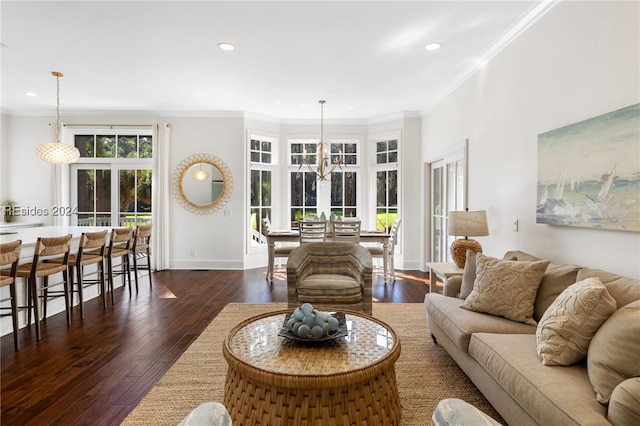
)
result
[(551, 395), (624, 405), (459, 324), (329, 288), (624, 290), (506, 288), (613, 352), (566, 328)]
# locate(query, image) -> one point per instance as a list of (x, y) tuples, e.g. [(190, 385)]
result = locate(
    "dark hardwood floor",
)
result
[(96, 371)]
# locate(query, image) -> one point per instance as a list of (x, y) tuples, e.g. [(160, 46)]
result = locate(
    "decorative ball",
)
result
[(309, 323)]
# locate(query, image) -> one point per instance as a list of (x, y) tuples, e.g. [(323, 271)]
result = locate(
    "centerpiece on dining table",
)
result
[(308, 324)]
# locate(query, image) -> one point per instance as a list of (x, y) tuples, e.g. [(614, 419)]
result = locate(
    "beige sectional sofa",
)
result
[(501, 356)]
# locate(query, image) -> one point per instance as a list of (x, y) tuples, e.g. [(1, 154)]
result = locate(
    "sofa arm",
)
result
[(452, 286)]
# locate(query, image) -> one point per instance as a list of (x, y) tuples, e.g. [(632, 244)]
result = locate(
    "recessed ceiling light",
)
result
[(226, 46), (30, 94), (433, 46)]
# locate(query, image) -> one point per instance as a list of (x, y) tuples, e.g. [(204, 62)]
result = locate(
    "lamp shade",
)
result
[(468, 223)]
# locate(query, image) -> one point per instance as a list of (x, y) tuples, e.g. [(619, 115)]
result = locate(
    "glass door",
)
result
[(448, 193)]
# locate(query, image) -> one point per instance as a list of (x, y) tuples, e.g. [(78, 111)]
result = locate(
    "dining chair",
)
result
[(312, 231), (141, 249), (377, 252), (91, 251), (50, 257), (9, 259), (118, 248), (279, 250), (346, 230)]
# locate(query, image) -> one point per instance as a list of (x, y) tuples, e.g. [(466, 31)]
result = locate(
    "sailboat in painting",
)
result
[(546, 203), (603, 195)]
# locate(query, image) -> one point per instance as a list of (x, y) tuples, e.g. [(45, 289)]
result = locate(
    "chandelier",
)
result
[(57, 152), (324, 167)]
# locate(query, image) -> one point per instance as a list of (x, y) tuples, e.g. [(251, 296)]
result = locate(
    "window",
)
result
[(111, 182), (309, 197), (386, 183), (261, 152), (343, 194)]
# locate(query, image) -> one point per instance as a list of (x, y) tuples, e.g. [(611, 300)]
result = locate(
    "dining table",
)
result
[(292, 236)]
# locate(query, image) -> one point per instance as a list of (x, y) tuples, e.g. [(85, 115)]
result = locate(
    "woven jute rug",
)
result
[(425, 372)]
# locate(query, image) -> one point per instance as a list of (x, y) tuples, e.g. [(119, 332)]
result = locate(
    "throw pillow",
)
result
[(567, 326), (505, 288), (556, 278), (624, 405), (613, 351), (469, 274)]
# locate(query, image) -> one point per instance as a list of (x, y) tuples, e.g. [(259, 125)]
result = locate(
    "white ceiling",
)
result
[(367, 59)]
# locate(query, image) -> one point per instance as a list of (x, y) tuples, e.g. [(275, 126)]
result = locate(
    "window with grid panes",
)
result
[(386, 184), (338, 195), (261, 151), (111, 181)]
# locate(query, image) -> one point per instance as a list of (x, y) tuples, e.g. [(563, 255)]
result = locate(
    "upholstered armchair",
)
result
[(331, 276)]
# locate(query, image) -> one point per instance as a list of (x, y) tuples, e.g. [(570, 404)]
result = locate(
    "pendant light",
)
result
[(200, 174), (57, 152), (324, 165)]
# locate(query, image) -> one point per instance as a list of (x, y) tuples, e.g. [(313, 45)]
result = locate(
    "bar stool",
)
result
[(119, 247), (10, 256), (141, 249), (50, 256), (91, 251)]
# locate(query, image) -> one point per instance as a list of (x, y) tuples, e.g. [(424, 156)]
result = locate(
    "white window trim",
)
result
[(116, 164), (274, 168)]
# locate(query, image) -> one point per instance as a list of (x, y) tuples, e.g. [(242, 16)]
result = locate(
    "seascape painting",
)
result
[(589, 173)]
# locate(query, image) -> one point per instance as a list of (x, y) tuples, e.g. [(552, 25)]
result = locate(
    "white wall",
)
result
[(579, 61), (218, 240)]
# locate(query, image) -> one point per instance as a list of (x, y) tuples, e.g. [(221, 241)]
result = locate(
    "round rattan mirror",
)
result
[(202, 183)]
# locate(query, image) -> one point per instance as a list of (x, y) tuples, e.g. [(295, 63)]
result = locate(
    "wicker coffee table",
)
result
[(272, 380)]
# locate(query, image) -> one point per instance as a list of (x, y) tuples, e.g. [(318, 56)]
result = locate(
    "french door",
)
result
[(110, 195), (448, 193)]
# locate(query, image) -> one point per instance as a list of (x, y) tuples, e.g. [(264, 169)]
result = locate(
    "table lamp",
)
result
[(468, 224)]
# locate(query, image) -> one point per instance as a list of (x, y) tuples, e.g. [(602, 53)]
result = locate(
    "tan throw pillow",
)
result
[(469, 274), (505, 288), (624, 405), (567, 326), (556, 279), (613, 351)]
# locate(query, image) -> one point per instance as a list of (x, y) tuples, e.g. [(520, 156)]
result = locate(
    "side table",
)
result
[(443, 270)]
